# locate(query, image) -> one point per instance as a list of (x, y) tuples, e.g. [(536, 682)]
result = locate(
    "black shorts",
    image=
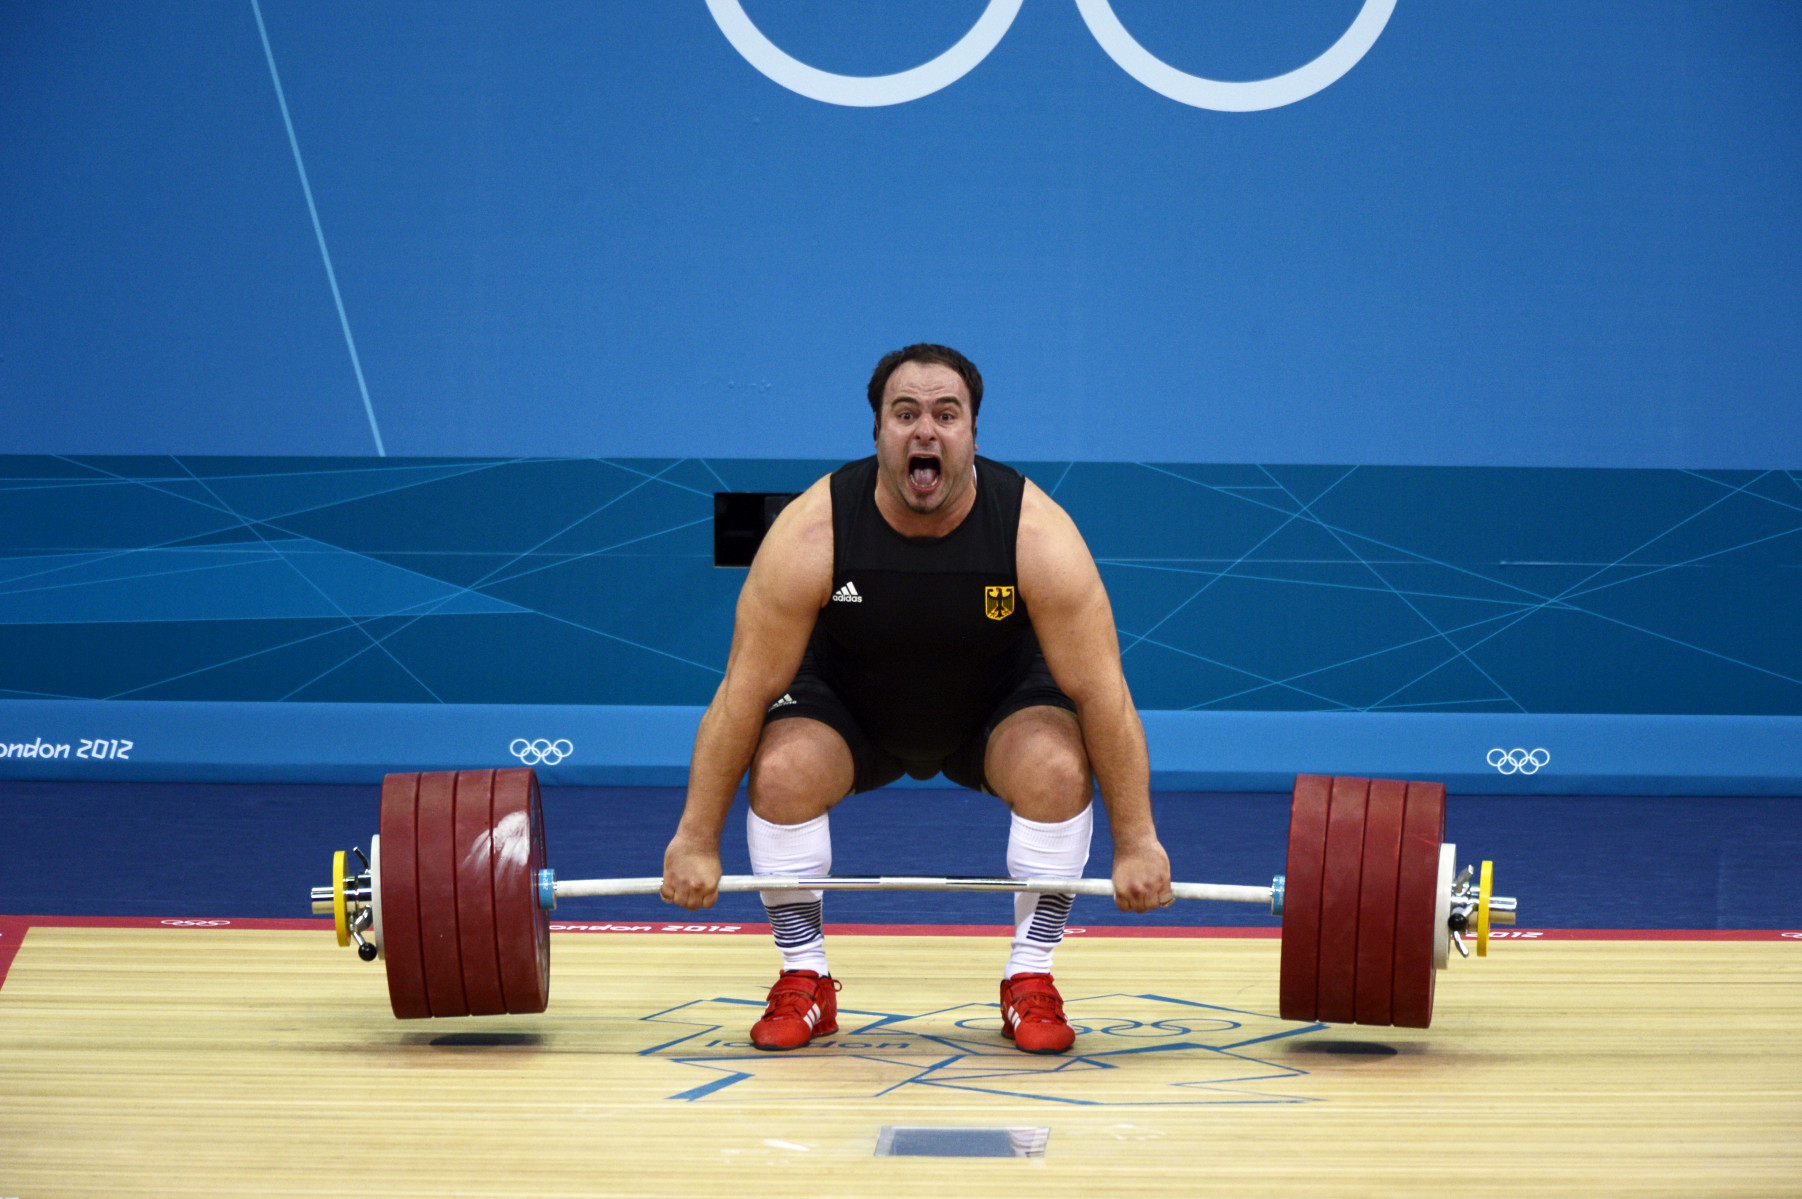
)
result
[(810, 696)]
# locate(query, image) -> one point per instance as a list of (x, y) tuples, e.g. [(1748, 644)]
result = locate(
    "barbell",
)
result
[(455, 896)]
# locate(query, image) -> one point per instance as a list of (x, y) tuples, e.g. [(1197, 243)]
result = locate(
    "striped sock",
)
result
[(796, 919), (799, 929), (1039, 850)]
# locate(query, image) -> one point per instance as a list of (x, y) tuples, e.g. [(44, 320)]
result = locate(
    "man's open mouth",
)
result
[(923, 471)]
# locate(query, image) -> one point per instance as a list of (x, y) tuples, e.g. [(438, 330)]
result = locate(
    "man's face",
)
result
[(925, 438)]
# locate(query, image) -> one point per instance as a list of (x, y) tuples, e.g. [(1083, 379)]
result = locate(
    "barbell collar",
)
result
[(357, 891)]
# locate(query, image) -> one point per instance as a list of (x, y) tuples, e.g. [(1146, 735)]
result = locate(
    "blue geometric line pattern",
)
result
[(1561, 599), (496, 576), (1760, 597), (289, 562), (1402, 596), (1302, 511), (300, 166), (961, 1049), (412, 476), (590, 581)]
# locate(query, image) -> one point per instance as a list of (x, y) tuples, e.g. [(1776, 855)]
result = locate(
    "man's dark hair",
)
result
[(925, 352)]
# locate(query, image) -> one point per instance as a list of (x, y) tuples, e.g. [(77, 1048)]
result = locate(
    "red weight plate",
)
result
[(1416, 904), (1337, 987), (1303, 871), (522, 928), (1376, 899), (400, 899), (437, 872), (475, 894)]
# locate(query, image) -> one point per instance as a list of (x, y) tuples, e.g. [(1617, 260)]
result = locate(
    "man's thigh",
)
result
[(802, 767), (1035, 760)]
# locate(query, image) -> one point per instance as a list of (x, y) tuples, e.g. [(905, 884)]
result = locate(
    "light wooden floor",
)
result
[(200, 1062)]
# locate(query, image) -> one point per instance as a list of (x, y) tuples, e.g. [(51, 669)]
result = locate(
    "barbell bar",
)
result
[(737, 883), (455, 896)]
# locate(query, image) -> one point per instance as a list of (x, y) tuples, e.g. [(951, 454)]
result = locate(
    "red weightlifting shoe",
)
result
[(803, 1005), (1032, 1014)]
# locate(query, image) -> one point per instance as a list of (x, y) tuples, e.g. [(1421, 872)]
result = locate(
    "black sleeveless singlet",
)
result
[(923, 637)]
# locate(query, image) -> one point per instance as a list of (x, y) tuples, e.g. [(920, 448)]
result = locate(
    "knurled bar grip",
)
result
[(577, 888)]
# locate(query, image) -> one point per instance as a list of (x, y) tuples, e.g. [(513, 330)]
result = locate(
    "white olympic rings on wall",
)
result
[(1253, 95), (872, 91), (864, 91), (534, 753), (1517, 761)]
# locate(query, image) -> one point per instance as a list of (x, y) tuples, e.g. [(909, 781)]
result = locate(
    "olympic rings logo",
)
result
[(533, 753), (874, 91), (1517, 761), (195, 923)]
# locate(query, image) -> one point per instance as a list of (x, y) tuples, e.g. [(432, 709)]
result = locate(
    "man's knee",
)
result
[(1037, 763), (801, 768)]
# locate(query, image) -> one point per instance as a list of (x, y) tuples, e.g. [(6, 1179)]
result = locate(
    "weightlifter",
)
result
[(918, 612)]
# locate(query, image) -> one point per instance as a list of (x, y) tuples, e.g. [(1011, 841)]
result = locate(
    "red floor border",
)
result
[(12, 935)]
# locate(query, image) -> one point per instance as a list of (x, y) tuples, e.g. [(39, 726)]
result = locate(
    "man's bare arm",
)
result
[(789, 582), (1070, 612)]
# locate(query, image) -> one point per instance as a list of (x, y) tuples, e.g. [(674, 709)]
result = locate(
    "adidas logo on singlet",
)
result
[(847, 594)]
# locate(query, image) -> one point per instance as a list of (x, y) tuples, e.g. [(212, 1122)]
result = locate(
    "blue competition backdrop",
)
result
[(1423, 375)]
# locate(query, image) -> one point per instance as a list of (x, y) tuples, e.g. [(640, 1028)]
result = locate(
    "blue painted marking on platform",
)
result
[(979, 1062), (1276, 1036), (706, 1089)]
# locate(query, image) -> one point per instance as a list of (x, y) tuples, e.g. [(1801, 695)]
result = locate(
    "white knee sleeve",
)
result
[(1040, 850), (796, 917)]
